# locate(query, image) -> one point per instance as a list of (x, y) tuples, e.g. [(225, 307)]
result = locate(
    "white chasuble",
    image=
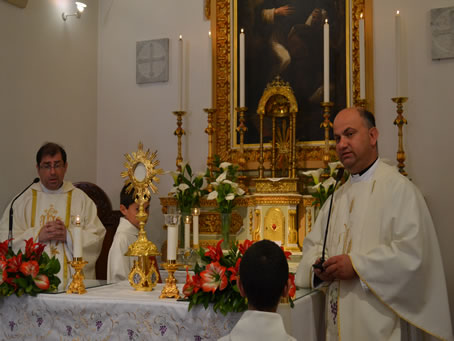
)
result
[(36, 207), (383, 224)]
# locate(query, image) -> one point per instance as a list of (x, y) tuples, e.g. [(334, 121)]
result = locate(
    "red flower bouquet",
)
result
[(29, 273), (215, 279)]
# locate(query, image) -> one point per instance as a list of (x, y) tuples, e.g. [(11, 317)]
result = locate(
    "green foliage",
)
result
[(187, 188)]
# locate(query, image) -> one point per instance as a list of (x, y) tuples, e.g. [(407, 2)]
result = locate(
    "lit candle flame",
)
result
[(77, 220), (242, 30), (181, 37), (326, 21), (398, 12), (361, 16), (209, 34)]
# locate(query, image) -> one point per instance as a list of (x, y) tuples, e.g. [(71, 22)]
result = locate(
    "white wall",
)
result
[(429, 111), (129, 112), (47, 90)]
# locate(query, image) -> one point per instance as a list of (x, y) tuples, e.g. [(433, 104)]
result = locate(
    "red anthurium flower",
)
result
[(235, 270), (30, 268), (3, 273), (214, 277), (4, 248), (246, 245), (42, 282), (192, 284), (33, 250), (292, 289), (286, 253), (215, 253), (14, 263)]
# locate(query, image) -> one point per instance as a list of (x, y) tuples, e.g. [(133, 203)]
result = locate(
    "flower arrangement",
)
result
[(323, 189), (225, 189), (215, 279), (187, 188), (29, 273)]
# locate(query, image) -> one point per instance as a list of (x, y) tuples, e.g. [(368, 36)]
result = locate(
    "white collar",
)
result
[(367, 175), (49, 191)]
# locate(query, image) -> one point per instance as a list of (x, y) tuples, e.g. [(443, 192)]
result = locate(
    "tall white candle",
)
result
[(326, 61), (210, 71), (187, 235), (242, 66), (362, 60), (172, 241), (180, 73), (195, 225), (77, 239), (398, 42)]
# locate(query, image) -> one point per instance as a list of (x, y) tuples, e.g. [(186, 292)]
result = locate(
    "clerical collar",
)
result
[(365, 174), (46, 190)]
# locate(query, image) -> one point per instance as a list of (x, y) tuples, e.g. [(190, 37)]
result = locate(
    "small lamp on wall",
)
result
[(80, 8)]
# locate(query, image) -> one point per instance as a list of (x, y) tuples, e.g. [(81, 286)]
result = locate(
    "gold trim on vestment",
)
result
[(388, 306), (34, 194)]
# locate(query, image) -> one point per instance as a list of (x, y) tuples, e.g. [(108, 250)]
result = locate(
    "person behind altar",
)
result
[(263, 281), (45, 210), (383, 263), (118, 265)]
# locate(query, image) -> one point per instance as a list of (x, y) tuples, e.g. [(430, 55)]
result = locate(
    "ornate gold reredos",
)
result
[(141, 163)]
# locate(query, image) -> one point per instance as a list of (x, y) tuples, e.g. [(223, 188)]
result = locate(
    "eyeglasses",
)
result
[(55, 166)]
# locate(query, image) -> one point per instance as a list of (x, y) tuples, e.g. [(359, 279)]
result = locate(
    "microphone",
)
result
[(10, 233), (340, 174)]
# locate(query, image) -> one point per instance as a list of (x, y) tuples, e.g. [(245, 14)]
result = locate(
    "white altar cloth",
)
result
[(118, 312)]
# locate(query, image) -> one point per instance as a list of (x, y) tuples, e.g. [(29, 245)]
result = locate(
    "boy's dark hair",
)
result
[(50, 148), (126, 198), (264, 274)]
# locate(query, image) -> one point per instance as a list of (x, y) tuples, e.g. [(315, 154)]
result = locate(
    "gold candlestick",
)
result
[(170, 289), (210, 130), (242, 129), (179, 132), (77, 285), (326, 124), (400, 121), (361, 103)]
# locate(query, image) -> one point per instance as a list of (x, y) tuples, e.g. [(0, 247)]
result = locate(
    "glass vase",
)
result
[(226, 221)]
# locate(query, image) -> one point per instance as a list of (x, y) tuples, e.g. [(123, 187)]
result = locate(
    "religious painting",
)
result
[(152, 61), (442, 26), (285, 38)]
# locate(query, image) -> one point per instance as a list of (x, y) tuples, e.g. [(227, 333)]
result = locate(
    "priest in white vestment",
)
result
[(44, 213), (263, 279), (383, 261)]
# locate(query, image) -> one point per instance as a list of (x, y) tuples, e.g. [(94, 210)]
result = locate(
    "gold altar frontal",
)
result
[(285, 218)]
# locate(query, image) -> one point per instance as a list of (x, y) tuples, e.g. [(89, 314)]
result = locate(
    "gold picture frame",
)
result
[(308, 154)]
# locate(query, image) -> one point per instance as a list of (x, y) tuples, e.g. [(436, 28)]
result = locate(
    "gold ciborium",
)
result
[(141, 172)]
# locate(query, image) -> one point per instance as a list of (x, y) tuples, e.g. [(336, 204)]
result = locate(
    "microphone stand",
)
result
[(10, 232), (319, 265)]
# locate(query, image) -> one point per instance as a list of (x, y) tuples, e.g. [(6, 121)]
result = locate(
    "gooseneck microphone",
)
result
[(10, 233), (340, 174)]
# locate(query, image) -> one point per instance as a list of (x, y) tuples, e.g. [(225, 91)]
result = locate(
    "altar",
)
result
[(117, 312)]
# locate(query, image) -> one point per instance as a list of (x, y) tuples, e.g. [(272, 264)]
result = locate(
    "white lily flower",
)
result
[(317, 187), (183, 187), (327, 183), (225, 165), (221, 177), (239, 191), (174, 175), (200, 174), (333, 165), (226, 181), (173, 190), (212, 195), (315, 174), (230, 196), (234, 184)]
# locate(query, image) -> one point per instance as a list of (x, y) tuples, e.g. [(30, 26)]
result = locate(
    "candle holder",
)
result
[(361, 103), (77, 285), (400, 121), (170, 289), (326, 124), (179, 132), (210, 130)]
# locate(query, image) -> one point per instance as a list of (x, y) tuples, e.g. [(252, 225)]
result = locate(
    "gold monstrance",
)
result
[(140, 172)]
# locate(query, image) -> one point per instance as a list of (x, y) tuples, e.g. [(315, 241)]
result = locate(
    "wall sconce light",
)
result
[(80, 8)]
